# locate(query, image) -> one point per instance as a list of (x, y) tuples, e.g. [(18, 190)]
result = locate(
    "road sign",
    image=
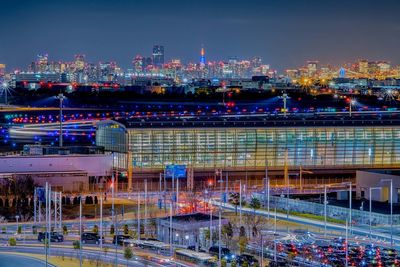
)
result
[(175, 171), (41, 194)]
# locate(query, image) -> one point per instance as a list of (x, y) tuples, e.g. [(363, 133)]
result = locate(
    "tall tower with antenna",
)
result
[(202, 56)]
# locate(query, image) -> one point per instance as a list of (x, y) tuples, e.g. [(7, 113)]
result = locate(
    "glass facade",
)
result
[(255, 147)]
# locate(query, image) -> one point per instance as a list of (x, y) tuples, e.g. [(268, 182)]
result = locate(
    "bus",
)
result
[(199, 258)]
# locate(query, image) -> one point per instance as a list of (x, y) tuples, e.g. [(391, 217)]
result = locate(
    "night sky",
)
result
[(284, 33)]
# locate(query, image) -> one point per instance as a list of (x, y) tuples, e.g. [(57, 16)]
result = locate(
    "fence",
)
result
[(359, 217)]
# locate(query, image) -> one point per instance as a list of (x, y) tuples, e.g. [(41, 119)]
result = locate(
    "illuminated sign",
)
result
[(175, 171)]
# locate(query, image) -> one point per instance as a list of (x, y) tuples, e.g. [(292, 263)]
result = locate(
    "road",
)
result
[(12, 260), (94, 255)]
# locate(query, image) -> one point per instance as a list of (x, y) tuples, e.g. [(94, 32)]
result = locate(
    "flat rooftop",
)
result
[(324, 119)]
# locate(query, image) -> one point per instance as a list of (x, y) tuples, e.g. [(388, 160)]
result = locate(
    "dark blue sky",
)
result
[(284, 33)]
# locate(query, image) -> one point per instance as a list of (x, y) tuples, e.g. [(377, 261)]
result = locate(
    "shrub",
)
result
[(19, 229), (128, 254), (76, 245), (65, 230), (12, 241), (34, 230)]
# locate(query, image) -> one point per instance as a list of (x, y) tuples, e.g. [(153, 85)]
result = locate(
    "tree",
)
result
[(242, 239), (128, 254), (76, 245), (126, 229), (255, 204), (95, 229), (254, 221), (242, 243), (65, 230), (234, 199), (227, 234)]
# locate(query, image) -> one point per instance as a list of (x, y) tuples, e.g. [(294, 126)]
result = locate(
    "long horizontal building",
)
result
[(325, 143)]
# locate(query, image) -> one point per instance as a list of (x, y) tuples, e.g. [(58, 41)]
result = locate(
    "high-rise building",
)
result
[(384, 66), (79, 62), (147, 61), (138, 64), (312, 68), (158, 55), (363, 66), (42, 62), (2, 70)]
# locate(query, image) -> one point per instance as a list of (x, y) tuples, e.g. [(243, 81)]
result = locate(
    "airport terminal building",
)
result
[(323, 144)]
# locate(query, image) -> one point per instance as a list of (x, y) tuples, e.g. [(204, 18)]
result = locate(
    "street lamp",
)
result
[(391, 208), (4, 85), (61, 97), (370, 208), (350, 202), (17, 218), (351, 103)]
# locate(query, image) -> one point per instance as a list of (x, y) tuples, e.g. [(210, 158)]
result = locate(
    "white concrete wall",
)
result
[(93, 165)]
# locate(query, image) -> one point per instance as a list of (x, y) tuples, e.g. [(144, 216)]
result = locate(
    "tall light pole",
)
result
[(101, 222), (61, 97), (240, 202), (80, 231), (5, 90), (325, 208), (219, 237), (350, 202), (347, 244), (285, 97), (351, 103), (391, 209), (370, 208)]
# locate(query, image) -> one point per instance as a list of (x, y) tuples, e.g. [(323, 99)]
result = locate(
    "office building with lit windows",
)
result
[(251, 144)]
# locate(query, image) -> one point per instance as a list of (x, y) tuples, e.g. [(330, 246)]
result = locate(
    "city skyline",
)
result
[(284, 34)]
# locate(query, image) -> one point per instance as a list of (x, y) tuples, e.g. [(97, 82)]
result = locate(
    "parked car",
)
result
[(54, 237), (90, 238), (119, 239), (251, 260), (225, 253)]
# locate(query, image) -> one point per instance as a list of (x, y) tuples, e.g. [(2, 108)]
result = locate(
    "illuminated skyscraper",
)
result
[(79, 62), (158, 55), (202, 57), (2, 70), (138, 64), (363, 66), (312, 68), (42, 62)]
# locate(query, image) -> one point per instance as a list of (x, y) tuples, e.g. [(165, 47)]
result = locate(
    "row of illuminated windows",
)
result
[(348, 146), (260, 136), (243, 160)]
